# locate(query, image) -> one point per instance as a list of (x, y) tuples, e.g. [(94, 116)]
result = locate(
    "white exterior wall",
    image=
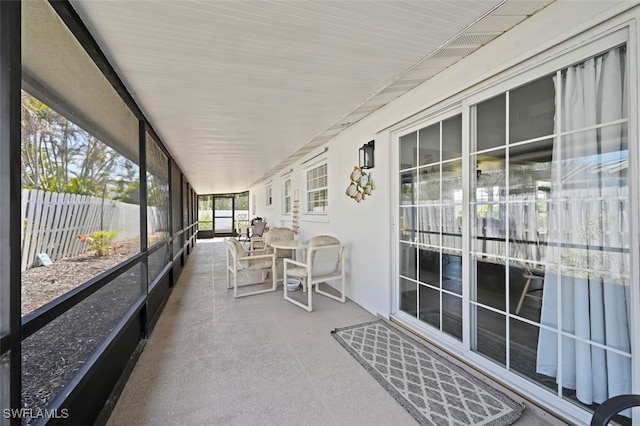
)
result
[(367, 227)]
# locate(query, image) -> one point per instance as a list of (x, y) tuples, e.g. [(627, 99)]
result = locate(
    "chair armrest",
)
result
[(294, 262), (231, 253), (260, 240), (612, 406), (260, 256)]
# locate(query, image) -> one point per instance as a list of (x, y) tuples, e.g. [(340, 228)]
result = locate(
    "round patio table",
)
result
[(288, 245)]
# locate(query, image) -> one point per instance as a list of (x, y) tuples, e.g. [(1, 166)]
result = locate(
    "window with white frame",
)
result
[(269, 195), (317, 189), (286, 191)]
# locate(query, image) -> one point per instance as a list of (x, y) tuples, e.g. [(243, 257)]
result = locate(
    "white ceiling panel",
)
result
[(237, 90)]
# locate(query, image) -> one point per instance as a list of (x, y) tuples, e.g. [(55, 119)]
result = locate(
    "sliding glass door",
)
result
[(540, 227), (550, 230)]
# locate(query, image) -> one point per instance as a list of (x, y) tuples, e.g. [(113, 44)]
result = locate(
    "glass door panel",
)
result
[(523, 345), (491, 123), (452, 138), (429, 184), (489, 287), (452, 322), (532, 110), (526, 284), (488, 224), (205, 216), (408, 151), (452, 206), (431, 192), (429, 144), (430, 225), (452, 272), (550, 233), (408, 230), (430, 263), (549, 230), (429, 307), (223, 214), (490, 335), (408, 255), (409, 297), (241, 211), (408, 183)]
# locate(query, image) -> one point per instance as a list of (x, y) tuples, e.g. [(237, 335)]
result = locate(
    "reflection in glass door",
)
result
[(431, 225), (549, 230), (550, 260)]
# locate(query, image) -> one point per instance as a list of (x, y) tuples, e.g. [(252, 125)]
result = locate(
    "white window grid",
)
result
[(286, 191), (269, 195), (317, 189)]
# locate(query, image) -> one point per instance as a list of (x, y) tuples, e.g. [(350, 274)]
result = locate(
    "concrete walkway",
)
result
[(216, 360)]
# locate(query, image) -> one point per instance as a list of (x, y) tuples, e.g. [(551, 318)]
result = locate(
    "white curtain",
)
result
[(586, 287)]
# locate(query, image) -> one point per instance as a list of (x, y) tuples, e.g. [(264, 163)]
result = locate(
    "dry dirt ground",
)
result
[(42, 284), (55, 353)]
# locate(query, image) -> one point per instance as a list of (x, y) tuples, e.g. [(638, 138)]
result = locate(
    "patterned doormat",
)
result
[(432, 389)]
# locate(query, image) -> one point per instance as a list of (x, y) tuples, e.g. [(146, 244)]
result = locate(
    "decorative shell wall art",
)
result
[(360, 184)]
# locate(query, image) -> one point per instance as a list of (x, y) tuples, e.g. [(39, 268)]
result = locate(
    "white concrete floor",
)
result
[(259, 360)]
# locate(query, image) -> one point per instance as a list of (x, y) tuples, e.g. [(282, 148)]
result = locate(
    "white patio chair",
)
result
[(238, 259), (279, 234), (324, 262)]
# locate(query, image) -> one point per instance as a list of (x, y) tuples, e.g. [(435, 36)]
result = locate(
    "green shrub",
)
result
[(102, 242)]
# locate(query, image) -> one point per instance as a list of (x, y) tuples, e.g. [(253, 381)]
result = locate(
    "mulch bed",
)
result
[(42, 284), (53, 355)]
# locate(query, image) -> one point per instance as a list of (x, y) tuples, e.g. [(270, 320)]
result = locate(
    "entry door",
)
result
[(223, 215)]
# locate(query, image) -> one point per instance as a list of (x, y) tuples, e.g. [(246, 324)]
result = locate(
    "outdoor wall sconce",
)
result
[(366, 155)]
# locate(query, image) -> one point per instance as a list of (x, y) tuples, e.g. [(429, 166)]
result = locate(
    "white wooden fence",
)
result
[(52, 223)]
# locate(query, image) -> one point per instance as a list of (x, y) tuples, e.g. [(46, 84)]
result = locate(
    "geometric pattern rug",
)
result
[(431, 388)]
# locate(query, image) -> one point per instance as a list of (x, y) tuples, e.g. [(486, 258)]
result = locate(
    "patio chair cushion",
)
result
[(297, 272), (256, 264), (237, 247)]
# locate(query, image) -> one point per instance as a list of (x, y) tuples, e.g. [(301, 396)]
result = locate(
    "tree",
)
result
[(59, 156), (48, 146)]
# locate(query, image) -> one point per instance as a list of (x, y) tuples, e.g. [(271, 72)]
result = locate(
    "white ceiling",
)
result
[(237, 90)]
